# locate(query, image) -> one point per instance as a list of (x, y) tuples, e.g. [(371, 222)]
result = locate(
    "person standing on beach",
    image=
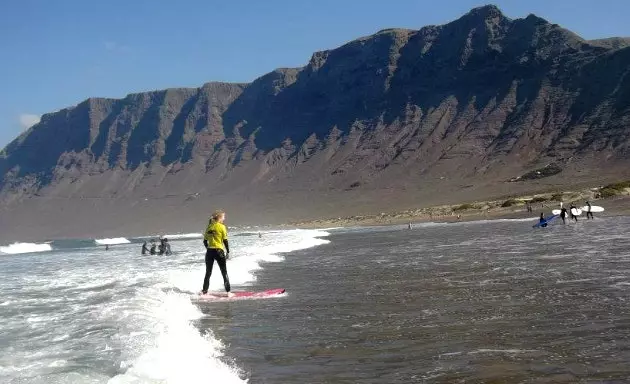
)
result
[(563, 215), (588, 211), (571, 208), (215, 240)]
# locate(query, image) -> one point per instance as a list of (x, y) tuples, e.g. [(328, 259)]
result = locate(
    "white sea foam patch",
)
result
[(184, 236), (16, 248), (112, 241), (163, 346)]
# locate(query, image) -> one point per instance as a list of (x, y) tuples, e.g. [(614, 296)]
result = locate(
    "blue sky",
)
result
[(57, 53)]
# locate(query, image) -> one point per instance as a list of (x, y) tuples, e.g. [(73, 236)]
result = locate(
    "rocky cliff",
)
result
[(398, 119)]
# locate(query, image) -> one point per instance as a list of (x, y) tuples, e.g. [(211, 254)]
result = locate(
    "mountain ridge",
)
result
[(378, 122)]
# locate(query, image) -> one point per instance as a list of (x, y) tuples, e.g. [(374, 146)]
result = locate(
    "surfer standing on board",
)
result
[(217, 248)]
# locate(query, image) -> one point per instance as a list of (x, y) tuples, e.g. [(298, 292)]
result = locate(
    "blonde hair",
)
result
[(216, 214)]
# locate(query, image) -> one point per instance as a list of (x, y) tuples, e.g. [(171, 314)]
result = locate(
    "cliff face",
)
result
[(400, 114)]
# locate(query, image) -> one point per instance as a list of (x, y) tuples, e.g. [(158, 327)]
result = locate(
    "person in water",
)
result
[(542, 221), (563, 215), (589, 214), (571, 208), (145, 248), (166, 246), (215, 240), (152, 251), (161, 247)]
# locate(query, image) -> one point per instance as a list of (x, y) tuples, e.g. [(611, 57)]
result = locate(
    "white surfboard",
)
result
[(594, 208), (556, 212), (576, 211)]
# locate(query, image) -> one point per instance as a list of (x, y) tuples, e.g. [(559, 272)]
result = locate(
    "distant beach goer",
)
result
[(571, 208), (542, 221), (145, 248), (153, 245), (161, 247), (106, 247), (167, 247), (563, 215), (215, 240), (588, 211), (259, 235), (409, 226)]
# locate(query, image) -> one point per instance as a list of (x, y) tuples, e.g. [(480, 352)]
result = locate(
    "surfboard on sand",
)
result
[(240, 295), (594, 208), (543, 224)]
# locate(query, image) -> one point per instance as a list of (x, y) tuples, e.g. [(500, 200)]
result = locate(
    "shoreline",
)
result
[(480, 210)]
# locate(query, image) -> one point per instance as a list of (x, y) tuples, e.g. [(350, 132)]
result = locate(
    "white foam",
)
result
[(17, 248), (176, 352), (184, 236), (112, 241)]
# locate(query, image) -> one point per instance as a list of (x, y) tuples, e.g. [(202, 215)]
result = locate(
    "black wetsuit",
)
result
[(213, 254), (572, 215), (145, 249), (589, 214), (563, 215)]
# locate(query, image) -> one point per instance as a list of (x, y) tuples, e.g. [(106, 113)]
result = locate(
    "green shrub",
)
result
[(614, 189), (509, 203), (608, 192), (619, 186), (464, 207), (538, 199)]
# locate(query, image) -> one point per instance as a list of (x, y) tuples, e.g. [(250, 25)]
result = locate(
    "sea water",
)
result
[(73, 312)]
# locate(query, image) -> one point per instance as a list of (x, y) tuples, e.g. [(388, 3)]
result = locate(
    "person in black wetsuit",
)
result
[(145, 248), (167, 247), (542, 221), (573, 217), (588, 211), (563, 215)]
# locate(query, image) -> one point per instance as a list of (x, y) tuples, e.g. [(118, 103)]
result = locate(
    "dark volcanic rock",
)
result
[(384, 118)]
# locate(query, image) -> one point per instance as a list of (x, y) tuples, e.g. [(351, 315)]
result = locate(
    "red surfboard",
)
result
[(242, 294)]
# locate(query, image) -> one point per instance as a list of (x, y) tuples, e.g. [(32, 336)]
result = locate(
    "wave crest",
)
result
[(17, 248), (112, 241)]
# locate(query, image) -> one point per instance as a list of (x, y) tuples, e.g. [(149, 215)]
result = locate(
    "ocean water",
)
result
[(72, 312), (479, 302)]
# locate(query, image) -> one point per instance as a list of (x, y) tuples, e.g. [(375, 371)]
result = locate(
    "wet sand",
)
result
[(452, 303)]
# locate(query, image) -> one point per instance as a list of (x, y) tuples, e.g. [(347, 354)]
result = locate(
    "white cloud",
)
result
[(27, 120)]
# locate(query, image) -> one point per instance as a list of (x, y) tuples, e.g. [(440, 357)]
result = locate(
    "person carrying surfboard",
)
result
[(563, 215), (589, 214), (215, 240), (542, 221), (572, 209)]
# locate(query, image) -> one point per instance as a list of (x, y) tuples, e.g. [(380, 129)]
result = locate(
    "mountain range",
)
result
[(399, 119)]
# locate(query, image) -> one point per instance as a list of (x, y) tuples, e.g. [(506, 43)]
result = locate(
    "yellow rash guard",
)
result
[(215, 234)]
